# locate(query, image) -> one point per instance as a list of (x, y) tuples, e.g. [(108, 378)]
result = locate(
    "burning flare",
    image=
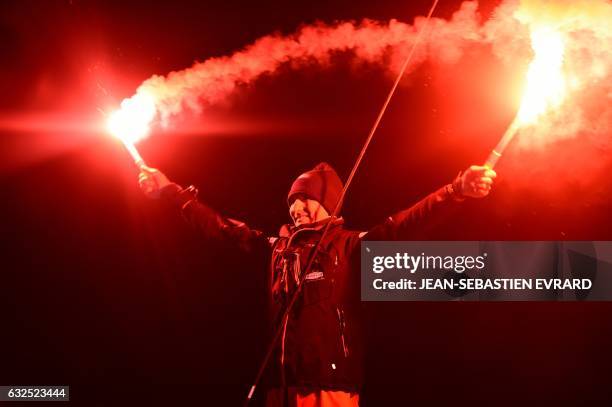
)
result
[(131, 123), (568, 88), (544, 89)]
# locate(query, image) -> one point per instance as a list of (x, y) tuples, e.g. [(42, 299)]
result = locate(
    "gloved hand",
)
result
[(152, 181), (475, 182)]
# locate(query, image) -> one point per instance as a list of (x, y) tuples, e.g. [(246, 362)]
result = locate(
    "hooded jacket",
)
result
[(321, 345)]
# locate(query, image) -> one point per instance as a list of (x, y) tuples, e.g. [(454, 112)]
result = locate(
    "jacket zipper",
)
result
[(283, 343), (296, 272), (297, 275), (342, 322)]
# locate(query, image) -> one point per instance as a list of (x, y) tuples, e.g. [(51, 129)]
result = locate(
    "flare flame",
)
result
[(131, 123), (545, 88)]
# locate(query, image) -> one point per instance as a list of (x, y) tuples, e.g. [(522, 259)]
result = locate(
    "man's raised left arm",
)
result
[(475, 182)]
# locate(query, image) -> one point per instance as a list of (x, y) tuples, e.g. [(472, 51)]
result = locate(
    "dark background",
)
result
[(110, 293)]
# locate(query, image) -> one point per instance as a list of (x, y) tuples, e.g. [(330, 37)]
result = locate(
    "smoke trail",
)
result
[(585, 24), (213, 80)]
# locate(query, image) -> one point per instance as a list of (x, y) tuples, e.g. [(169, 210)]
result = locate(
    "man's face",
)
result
[(304, 211)]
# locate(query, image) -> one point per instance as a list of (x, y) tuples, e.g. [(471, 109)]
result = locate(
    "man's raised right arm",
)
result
[(208, 222)]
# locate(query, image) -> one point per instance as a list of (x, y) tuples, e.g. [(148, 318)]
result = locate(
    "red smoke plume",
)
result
[(585, 109), (213, 80)]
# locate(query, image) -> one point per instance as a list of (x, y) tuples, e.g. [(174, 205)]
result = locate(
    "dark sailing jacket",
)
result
[(321, 343)]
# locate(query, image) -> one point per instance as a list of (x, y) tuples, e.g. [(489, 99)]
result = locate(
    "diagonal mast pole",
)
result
[(349, 180)]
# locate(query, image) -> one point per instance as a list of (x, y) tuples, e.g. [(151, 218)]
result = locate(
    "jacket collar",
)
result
[(287, 230)]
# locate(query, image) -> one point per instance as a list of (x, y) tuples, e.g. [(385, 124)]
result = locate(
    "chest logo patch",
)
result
[(315, 275)]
